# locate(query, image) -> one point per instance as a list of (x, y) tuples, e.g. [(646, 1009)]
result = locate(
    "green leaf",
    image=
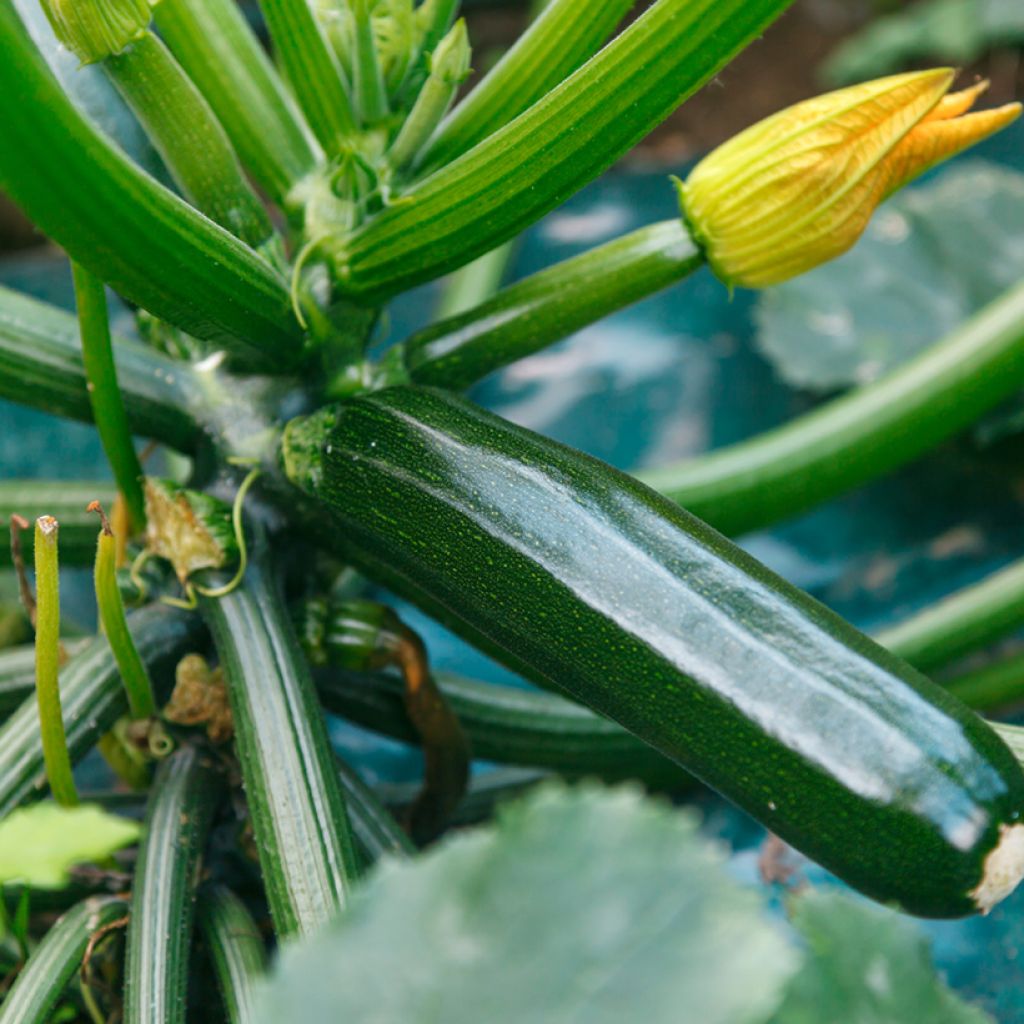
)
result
[(579, 905), (931, 257), (40, 844), (866, 965), (956, 31)]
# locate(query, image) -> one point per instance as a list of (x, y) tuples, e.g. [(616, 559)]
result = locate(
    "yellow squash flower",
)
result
[(798, 188)]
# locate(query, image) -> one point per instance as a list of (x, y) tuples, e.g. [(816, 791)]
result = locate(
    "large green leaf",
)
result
[(931, 257), (866, 965), (580, 905), (958, 31), (40, 844)]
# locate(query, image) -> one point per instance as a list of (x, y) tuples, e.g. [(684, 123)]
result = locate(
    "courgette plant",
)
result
[(304, 192)]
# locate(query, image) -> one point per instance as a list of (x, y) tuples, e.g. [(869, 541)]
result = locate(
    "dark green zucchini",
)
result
[(598, 586)]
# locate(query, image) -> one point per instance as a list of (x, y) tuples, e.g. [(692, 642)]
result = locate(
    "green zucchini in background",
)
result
[(595, 585)]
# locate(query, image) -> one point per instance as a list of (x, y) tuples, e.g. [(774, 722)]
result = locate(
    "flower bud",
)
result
[(798, 188), (96, 29)]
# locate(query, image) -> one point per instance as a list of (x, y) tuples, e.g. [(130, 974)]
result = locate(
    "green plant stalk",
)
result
[(374, 827), (83, 191), (310, 66), (189, 138), (181, 805), (993, 687), (41, 366), (55, 961), (431, 105), (370, 93), (962, 622), (65, 500), (507, 725), (108, 410), (138, 686), (236, 948), (532, 314), (487, 791), (436, 18), (51, 720), (564, 35), (298, 813), (214, 44), (475, 283), (93, 699), (860, 436), (563, 141)]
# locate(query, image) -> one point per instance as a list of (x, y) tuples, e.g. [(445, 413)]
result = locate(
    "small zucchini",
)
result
[(596, 585)]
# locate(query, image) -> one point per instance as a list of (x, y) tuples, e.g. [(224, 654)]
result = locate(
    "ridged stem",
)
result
[(563, 141), (41, 366), (108, 409), (189, 138), (215, 45), (298, 813), (860, 436), (54, 962), (83, 191), (565, 35), (373, 825), (51, 719), (138, 686), (312, 70), (505, 724), (181, 805), (93, 699), (368, 81), (533, 313), (236, 949)]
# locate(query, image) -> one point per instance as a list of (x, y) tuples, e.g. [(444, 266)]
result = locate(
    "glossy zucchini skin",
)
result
[(603, 589)]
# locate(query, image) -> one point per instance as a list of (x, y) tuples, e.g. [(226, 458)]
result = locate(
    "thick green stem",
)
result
[(992, 687), (860, 436), (370, 93), (563, 141), (182, 802), (51, 719), (531, 314), (507, 725), (310, 66), (137, 684), (105, 398), (214, 44), (962, 622), (565, 34), (83, 191), (475, 283), (236, 948), (188, 137), (41, 366), (298, 813), (65, 500), (55, 961), (93, 699)]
